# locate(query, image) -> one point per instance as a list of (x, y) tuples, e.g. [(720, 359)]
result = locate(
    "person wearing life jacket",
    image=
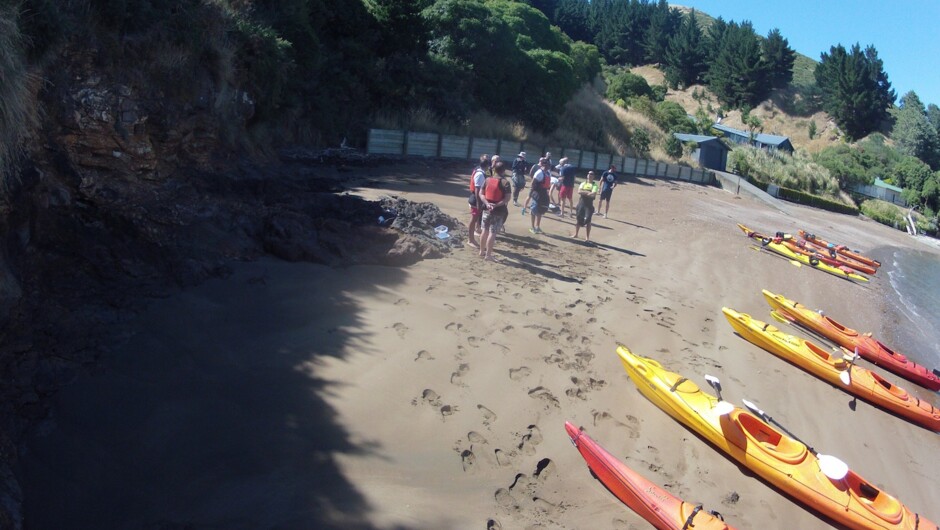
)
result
[(477, 179), (519, 169), (538, 196), (494, 201)]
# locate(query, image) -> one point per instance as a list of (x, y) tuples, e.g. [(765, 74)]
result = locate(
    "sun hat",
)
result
[(522, 154)]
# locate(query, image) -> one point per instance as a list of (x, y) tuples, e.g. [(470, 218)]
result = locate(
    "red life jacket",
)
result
[(546, 179), (492, 190)]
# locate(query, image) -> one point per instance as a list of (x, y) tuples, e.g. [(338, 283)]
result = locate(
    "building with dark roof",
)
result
[(770, 142), (711, 153)]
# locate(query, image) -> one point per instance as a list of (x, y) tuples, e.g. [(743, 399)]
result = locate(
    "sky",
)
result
[(905, 32)]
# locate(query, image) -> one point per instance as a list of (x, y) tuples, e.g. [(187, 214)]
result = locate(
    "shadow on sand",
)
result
[(211, 414)]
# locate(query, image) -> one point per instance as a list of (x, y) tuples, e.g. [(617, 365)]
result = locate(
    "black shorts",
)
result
[(605, 194)]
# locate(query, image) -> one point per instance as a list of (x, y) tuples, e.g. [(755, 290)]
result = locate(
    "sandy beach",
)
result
[(434, 396)]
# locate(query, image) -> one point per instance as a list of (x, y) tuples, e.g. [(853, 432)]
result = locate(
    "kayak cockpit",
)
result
[(842, 329), (769, 440), (895, 390), (874, 500)]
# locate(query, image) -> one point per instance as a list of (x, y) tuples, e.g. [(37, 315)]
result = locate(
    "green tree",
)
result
[(779, 59), (672, 117), (573, 17), (586, 61), (626, 85), (672, 146), (850, 166), (663, 22), (912, 133), (685, 60), (933, 116), (855, 89), (738, 74), (402, 51)]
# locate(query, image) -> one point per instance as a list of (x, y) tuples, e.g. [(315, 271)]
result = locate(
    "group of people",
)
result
[(490, 192)]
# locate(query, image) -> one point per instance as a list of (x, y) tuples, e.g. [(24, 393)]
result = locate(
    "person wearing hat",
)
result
[(519, 169)]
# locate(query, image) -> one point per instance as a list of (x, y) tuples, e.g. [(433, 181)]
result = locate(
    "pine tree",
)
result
[(686, 55), (738, 74), (855, 89), (663, 21), (913, 134), (779, 58)]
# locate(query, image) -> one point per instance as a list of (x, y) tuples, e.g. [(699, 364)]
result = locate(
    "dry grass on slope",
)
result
[(774, 120)]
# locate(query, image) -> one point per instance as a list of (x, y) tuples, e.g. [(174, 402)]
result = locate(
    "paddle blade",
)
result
[(713, 381), (832, 467), (723, 408), (845, 378), (753, 408)]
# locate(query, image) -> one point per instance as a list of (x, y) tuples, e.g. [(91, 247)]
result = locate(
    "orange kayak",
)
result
[(815, 255), (841, 249), (832, 258), (781, 460), (662, 509), (861, 382), (868, 347)]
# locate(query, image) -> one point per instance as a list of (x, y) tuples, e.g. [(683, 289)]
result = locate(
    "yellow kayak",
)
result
[(781, 249), (784, 462), (852, 379)]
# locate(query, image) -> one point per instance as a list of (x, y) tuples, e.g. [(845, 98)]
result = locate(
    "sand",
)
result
[(434, 396)]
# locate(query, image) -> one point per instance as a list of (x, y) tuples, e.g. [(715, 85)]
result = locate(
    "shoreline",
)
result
[(435, 395)]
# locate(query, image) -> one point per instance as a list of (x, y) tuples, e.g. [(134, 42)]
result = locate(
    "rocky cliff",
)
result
[(127, 194)]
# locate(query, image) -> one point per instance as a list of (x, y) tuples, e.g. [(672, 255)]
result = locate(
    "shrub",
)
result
[(883, 212), (627, 85), (640, 141), (673, 147)]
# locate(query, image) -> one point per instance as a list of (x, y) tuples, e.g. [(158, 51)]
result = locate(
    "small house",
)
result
[(770, 142), (711, 152)]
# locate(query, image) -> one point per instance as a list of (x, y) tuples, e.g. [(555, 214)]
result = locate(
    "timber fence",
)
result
[(407, 143)]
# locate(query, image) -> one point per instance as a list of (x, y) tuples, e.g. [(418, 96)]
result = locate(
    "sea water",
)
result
[(915, 294)]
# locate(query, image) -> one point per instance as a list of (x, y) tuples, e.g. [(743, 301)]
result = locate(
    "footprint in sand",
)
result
[(450, 307), (456, 327), (430, 397), (488, 415), (424, 355), (456, 378), (493, 524), (505, 500), (583, 386), (503, 458), (474, 341), (545, 396), (544, 469), (467, 458), (502, 347), (530, 439), (632, 425), (548, 336), (476, 437), (508, 328), (400, 328), (401, 301), (518, 374), (447, 410)]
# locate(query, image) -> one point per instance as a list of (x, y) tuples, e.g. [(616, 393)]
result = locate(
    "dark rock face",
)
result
[(112, 209)]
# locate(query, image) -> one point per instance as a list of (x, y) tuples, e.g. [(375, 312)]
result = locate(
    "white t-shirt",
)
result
[(479, 178)]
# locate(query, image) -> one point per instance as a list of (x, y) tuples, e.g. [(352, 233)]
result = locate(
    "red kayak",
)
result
[(662, 509), (833, 258), (841, 249), (869, 348)]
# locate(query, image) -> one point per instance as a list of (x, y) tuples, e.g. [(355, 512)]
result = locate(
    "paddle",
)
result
[(792, 261), (831, 466), (722, 407), (846, 375)]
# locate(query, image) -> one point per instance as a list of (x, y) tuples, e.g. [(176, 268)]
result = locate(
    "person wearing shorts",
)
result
[(566, 190), (608, 183), (495, 206), (538, 196)]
